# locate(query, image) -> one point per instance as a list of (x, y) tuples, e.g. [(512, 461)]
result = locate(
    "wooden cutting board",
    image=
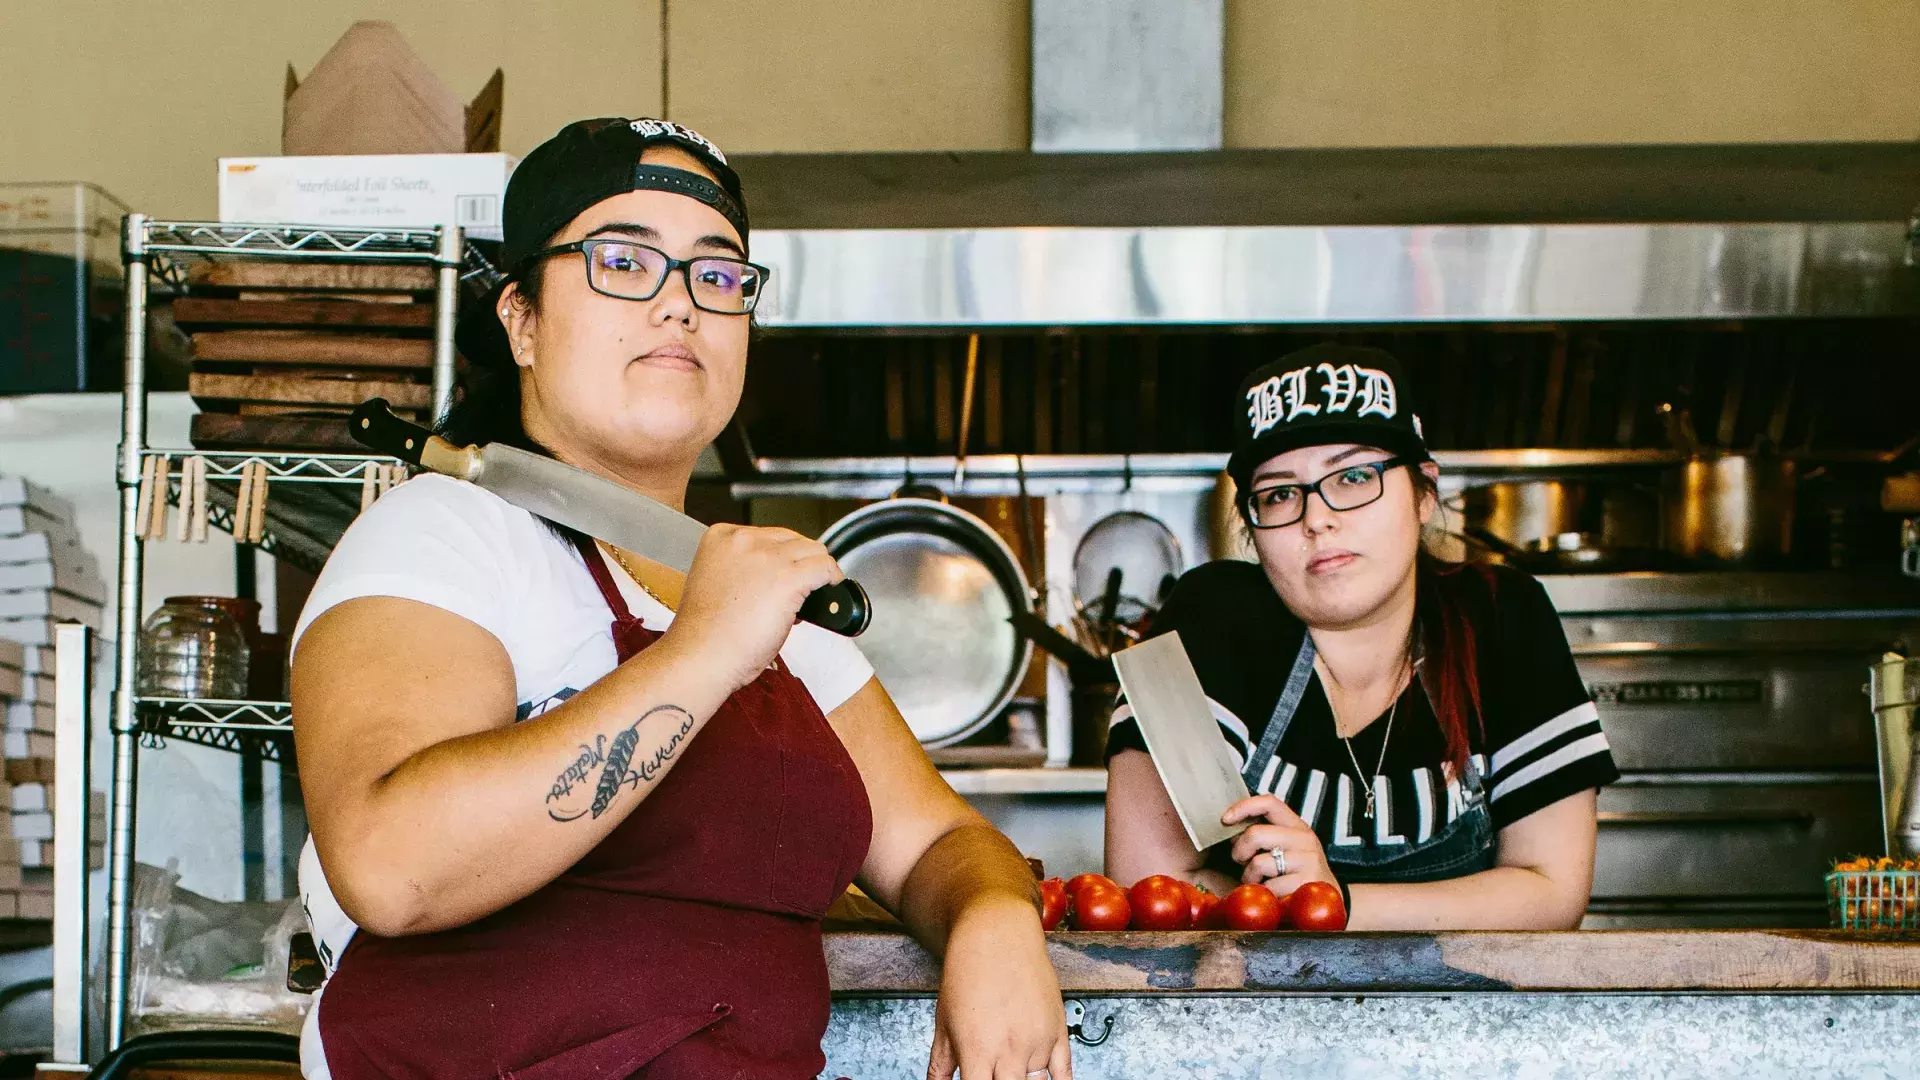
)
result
[(311, 276), (298, 347), (210, 388), (226, 431), (198, 311)]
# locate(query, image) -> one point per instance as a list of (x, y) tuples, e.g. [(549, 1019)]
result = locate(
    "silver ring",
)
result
[(1279, 862), (1048, 1073)]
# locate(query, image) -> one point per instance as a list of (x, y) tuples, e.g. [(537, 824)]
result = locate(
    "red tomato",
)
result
[(1160, 903), (1203, 909), (1101, 907), (1317, 906), (1081, 881), (1251, 907), (1053, 903)]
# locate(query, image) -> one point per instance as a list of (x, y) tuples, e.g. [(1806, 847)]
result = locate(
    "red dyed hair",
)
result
[(1451, 673)]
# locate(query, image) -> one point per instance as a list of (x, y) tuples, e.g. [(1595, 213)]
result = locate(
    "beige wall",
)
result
[(1475, 72), (141, 96), (826, 75)]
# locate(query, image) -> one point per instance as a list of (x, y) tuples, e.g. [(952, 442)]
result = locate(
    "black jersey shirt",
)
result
[(1537, 741)]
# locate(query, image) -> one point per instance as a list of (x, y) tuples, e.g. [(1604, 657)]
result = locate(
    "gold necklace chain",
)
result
[(634, 574)]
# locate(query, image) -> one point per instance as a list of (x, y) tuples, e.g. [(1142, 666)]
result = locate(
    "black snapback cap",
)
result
[(1324, 394), (584, 163)]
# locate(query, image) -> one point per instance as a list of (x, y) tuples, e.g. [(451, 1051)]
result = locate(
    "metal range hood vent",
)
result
[(1127, 74)]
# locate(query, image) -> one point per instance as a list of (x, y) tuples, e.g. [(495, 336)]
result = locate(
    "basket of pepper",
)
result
[(1874, 894)]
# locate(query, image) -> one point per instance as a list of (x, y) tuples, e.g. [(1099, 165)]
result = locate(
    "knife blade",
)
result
[(582, 501), (1182, 736)]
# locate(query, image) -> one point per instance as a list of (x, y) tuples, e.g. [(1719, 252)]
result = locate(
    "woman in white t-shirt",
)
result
[(576, 815)]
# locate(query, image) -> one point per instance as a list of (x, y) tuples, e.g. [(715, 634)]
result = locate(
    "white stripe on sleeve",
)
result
[(1552, 763), (1581, 714)]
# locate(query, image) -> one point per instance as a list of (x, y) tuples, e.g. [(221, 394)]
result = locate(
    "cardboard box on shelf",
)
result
[(36, 905), (369, 191), (25, 770), (48, 604), (32, 825), (38, 631), (78, 578), (30, 716)]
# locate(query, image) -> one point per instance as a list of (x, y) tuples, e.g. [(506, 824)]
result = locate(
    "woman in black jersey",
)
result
[(1414, 731)]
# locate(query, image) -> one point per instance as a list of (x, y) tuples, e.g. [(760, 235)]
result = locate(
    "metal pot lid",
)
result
[(942, 585)]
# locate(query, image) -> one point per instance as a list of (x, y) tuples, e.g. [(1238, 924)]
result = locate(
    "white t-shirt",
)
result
[(465, 550)]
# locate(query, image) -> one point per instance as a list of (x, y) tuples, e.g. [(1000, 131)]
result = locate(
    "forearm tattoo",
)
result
[(617, 767)]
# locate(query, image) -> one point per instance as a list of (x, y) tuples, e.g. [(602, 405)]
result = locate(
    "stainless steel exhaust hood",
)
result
[(1354, 274)]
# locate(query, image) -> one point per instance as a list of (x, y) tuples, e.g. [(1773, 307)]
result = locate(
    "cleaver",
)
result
[(580, 500), (1182, 736)]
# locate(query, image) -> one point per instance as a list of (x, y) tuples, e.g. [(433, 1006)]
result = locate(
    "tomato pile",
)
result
[(1093, 902)]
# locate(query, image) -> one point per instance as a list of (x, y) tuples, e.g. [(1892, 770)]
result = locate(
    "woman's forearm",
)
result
[(972, 868), (1503, 898), (467, 826)]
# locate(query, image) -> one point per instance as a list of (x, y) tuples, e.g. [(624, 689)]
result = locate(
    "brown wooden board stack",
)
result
[(283, 351)]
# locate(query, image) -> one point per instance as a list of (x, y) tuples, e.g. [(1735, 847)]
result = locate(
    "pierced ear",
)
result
[(517, 317)]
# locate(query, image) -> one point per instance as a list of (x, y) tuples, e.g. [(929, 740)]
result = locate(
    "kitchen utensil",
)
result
[(1109, 606), (966, 411), (580, 500), (1092, 706), (1521, 512), (257, 520), (1137, 544), (1725, 509), (191, 647), (162, 475), (1182, 736), (1895, 692), (1565, 553), (1082, 665), (944, 587), (1729, 509)]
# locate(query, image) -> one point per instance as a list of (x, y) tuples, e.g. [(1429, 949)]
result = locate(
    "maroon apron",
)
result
[(686, 944)]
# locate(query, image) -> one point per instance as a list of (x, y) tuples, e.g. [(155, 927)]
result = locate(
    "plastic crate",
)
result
[(1874, 899)]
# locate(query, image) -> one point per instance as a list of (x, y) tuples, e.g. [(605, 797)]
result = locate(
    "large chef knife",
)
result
[(1182, 736), (580, 500)]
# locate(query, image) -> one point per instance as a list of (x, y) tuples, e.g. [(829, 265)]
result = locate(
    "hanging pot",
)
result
[(943, 586), (1729, 509)]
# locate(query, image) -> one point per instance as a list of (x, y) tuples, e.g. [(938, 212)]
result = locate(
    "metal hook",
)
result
[(1076, 1025)]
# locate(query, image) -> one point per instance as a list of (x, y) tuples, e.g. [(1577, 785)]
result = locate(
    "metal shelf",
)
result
[(303, 521), (257, 728), (280, 241)]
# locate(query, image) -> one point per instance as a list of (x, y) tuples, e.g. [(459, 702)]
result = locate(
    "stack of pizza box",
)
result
[(45, 579)]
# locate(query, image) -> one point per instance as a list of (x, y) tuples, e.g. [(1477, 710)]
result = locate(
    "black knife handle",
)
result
[(374, 426), (840, 608)]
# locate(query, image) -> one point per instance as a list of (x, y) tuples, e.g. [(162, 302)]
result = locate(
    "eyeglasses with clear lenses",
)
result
[(1349, 488), (631, 271)]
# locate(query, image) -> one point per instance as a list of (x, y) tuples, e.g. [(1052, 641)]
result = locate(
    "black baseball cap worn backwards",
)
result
[(586, 162), (592, 160), (1318, 396)]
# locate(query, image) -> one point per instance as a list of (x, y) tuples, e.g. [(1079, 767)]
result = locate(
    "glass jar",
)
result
[(192, 648)]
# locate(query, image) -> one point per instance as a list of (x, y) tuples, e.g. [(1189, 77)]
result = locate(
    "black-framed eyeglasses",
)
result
[(631, 271), (1349, 487)]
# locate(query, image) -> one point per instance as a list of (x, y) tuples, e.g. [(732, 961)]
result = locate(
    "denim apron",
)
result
[(1464, 846)]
